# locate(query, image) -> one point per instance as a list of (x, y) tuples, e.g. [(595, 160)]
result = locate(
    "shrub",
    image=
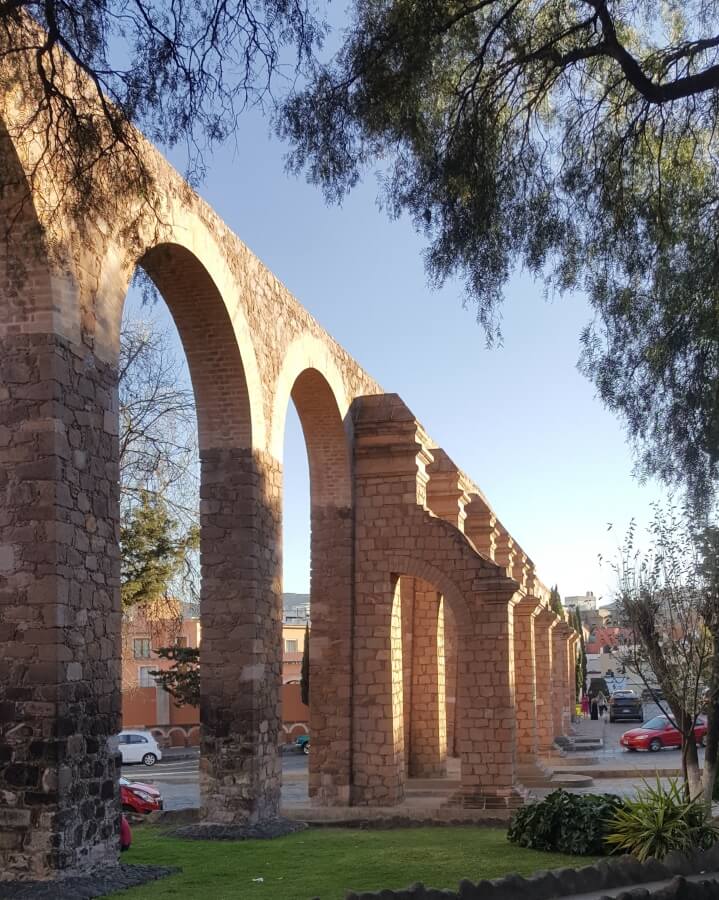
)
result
[(661, 819), (566, 823)]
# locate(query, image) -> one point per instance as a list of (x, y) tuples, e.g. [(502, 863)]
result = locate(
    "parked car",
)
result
[(138, 797), (625, 704), (125, 834), (658, 733), (303, 743), (137, 747)]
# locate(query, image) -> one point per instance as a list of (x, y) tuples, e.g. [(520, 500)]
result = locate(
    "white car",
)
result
[(137, 747)]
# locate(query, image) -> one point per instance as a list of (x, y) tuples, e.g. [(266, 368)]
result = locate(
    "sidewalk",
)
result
[(172, 753)]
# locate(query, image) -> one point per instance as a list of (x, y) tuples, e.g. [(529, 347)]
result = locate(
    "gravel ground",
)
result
[(84, 887), (209, 832)]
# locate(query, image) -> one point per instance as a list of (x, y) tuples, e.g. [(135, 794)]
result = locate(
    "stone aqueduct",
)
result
[(419, 593)]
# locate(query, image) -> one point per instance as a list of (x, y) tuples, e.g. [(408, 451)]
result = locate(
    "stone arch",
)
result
[(239, 513), (419, 568), (306, 355), (311, 379), (222, 401), (191, 273)]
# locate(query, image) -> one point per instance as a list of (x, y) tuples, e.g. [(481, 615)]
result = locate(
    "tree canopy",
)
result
[(575, 139), (153, 554), (179, 70), (182, 679)]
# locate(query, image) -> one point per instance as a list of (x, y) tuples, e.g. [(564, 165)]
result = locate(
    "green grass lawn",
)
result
[(326, 863)]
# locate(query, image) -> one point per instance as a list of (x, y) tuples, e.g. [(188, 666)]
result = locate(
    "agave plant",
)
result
[(660, 820)]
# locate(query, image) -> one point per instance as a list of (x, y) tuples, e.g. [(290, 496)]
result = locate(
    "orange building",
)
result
[(145, 704)]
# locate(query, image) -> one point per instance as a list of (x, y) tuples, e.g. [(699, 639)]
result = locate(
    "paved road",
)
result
[(178, 779)]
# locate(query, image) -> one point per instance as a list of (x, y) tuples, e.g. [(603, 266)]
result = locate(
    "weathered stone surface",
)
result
[(60, 606)]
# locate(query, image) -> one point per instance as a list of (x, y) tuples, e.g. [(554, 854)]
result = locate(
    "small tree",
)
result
[(182, 679), (305, 675), (152, 554), (669, 602), (581, 656), (555, 602)]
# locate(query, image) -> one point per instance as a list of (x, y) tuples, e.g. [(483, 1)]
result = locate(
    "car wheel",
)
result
[(655, 745), (149, 759), (306, 748)]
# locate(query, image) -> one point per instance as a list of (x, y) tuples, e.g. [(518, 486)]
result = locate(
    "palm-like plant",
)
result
[(660, 820)]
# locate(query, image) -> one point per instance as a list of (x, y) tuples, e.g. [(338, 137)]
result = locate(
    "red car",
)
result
[(138, 797), (658, 733)]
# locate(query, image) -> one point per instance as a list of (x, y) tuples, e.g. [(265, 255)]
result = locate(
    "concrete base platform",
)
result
[(395, 816)]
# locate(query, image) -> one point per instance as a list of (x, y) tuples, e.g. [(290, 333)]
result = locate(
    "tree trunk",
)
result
[(711, 742), (690, 765)]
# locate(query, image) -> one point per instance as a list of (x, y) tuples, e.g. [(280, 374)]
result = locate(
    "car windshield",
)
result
[(656, 724), (623, 694)]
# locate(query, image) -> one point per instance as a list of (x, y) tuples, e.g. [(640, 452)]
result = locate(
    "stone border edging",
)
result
[(85, 887), (616, 872)]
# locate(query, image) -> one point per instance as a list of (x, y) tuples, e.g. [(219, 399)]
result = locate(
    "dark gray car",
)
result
[(625, 706)]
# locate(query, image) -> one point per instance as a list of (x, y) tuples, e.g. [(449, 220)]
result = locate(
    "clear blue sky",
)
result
[(519, 419)]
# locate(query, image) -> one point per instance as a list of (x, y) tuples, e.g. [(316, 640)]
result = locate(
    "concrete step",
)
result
[(447, 784), (568, 780)]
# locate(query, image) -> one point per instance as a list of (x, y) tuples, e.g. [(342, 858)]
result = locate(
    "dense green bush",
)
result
[(566, 823), (661, 819)]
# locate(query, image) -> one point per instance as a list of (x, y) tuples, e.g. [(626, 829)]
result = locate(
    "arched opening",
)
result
[(433, 616), (330, 588), (239, 529), (424, 679)]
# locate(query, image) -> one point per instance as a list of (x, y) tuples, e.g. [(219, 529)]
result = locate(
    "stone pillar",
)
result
[(378, 754), (450, 677), (486, 727), (525, 613), (331, 598), (505, 552), (572, 673), (559, 679), (481, 526), (390, 476), (407, 589), (544, 625), (59, 608), (241, 655), (428, 719), (448, 489)]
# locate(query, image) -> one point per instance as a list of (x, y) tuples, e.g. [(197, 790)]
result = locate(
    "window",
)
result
[(291, 646), (146, 679), (141, 648), (137, 739)]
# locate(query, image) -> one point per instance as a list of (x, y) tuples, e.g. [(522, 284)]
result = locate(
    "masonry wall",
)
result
[(59, 607)]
